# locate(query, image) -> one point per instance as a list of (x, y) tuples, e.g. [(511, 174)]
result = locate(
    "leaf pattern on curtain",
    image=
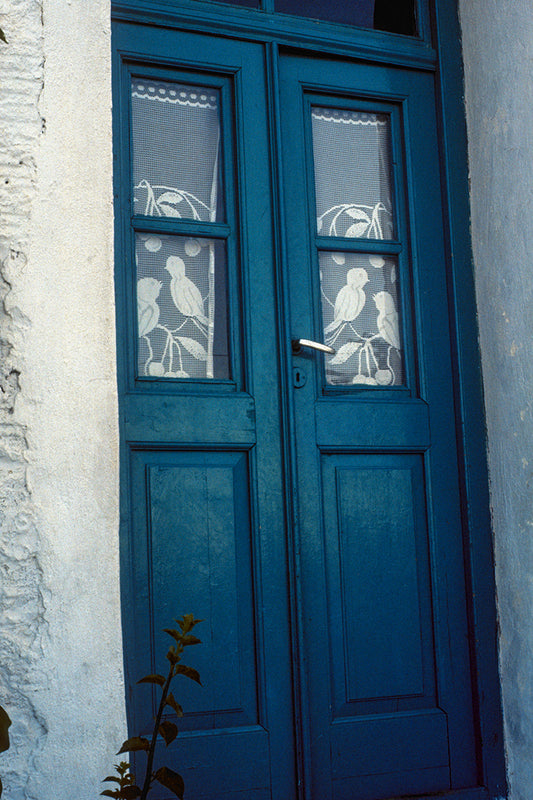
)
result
[(176, 145)]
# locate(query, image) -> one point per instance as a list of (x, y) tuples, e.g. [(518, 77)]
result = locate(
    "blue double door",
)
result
[(304, 504)]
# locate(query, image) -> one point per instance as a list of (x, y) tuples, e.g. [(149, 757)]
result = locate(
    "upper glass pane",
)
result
[(353, 176), (397, 16), (247, 3), (176, 150), (356, 12)]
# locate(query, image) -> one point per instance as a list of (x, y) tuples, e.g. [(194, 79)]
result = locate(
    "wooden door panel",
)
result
[(192, 548), (417, 755), (222, 764), (198, 555), (376, 424), (183, 420), (378, 583)]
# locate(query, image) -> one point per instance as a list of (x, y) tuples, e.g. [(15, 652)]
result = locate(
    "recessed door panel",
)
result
[(378, 585), (199, 554)]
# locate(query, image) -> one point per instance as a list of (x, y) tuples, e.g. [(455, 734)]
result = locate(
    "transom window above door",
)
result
[(396, 16)]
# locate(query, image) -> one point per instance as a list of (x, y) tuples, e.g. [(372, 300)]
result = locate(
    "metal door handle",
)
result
[(297, 345)]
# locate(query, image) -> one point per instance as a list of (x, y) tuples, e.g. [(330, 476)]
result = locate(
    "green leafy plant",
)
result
[(127, 788), (5, 722)]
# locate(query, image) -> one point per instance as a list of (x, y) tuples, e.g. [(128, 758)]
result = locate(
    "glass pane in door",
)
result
[(182, 324), (247, 3), (360, 295), (176, 150), (396, 16), (353, 176), (357, 12)]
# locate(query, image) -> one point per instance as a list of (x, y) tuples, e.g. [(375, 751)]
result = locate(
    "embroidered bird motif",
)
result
[(185, 294), (387, 321), (350, 300), (147, 309)]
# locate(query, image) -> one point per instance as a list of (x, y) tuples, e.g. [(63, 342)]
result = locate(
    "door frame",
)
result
[(438, 51)]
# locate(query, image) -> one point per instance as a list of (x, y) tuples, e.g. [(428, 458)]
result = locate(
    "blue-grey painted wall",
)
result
[(498, 57)]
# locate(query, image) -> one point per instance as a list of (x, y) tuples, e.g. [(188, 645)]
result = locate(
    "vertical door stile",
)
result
[(280, 235)]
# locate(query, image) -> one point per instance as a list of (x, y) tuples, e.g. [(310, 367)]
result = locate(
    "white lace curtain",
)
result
[(181, 293), (181, 281), (359, 291)]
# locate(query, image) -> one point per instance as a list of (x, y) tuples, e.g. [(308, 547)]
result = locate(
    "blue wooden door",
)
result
[(203, 495), (382, 599), (305, 506)]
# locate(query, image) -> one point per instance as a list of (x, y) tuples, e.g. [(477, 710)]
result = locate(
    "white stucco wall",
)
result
[(61, 673), (498, 55)]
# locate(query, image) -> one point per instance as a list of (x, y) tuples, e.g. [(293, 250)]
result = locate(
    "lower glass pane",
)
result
[(360, 301), (182, 307)]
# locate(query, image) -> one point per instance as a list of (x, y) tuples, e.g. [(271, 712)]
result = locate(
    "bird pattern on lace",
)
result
[(173, 290), (361, 320)]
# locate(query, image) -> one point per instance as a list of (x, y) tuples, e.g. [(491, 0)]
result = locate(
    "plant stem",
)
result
[(151, 752)]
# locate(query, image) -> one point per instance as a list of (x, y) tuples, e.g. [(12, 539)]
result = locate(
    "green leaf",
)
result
[(189, 672), (187, 622), (134, 744), (174, 633), (187, 640), (170, 780), (170, 701), (159, 679), (109, 793), (172, 655), (111, 778), (131, 792), (3, 38), (168, 731), (5, 722)]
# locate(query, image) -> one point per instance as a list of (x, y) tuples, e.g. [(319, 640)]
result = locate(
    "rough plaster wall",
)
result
[(498, 54), (61, 673), (23, 626)]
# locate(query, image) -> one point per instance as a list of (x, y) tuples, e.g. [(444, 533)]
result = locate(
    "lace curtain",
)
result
[(181, 286), (359, 291), (181, 281)]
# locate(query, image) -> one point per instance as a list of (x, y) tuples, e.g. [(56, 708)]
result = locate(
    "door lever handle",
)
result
[(297, 345)]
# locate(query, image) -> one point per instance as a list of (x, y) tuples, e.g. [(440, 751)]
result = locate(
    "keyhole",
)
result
[(299, 377)]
